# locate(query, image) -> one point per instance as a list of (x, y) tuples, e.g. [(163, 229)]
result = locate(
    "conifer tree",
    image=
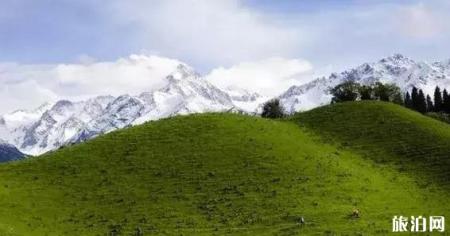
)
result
[(430, 106), (408, 101), (414, 99), (421, 102), (446, 102), (437, 100)]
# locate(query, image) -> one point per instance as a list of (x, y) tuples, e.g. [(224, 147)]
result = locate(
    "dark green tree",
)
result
[(273, 109), (421, 102), (438, 101), (347, 91), (366, 92), (397, 96), (381, 92), (430, 106), (415, 98), (408, 101), (446, 102), (387, 92)]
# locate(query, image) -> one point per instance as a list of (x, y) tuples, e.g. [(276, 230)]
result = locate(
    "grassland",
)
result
[(389, 134), (225, 174)]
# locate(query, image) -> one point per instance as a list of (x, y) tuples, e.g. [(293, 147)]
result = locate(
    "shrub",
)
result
[(273, 109)]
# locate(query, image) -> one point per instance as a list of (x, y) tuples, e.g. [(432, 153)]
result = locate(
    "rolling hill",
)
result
[(227, 174), (389, 134)]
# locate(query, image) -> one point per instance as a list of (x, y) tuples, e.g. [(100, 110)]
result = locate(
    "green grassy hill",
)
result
[(389, 134), (224, 174)]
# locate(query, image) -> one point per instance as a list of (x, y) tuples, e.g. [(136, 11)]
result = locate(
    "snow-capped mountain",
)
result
[(54, 125), (246, 100), (184, 91), (396, 69), (9, 153), (57, 124)]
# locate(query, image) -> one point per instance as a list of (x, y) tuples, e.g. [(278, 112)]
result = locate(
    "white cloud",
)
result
[(205, 32), (422, 21), (28, 86), (24, 94), (127, 75), (269, 77), (232, 37)]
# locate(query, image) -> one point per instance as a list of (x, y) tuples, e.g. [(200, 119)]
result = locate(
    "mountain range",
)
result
[(397, 69), (54, 125), (51, 126)]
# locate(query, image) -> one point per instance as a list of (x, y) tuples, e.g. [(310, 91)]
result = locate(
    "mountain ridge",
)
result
[(185, 91), (396, 69), (64, 122)]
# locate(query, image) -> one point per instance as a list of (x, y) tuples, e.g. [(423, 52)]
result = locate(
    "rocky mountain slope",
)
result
[(52, 126), (9, 153), (397, 69)]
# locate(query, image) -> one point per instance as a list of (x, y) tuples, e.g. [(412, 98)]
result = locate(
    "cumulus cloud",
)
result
[(28, 86), (24, 95), (126, 75), (230, 38), (269, 77), (204, 32)]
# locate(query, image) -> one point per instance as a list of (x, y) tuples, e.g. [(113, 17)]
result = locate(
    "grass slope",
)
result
[(389, 134), (212, 174)]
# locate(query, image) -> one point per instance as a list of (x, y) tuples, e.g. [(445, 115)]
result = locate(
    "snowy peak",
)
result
[(242, 95), (188, 84), (397, 59), (397, 69), (182, 72), (120, 113), (52, 126), (20, 117)]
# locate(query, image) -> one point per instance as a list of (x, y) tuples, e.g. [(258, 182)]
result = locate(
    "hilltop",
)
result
[(386, 133), (216, 174)]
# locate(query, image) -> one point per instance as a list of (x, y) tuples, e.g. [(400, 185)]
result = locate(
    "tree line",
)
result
[(417, 100), (346, 91), (353, 91)]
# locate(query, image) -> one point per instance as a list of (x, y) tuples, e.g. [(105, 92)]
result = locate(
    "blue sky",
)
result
[(231, 40), (49, 31)]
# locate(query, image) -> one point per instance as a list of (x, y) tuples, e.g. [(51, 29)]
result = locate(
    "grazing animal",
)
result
[(355, 213)]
